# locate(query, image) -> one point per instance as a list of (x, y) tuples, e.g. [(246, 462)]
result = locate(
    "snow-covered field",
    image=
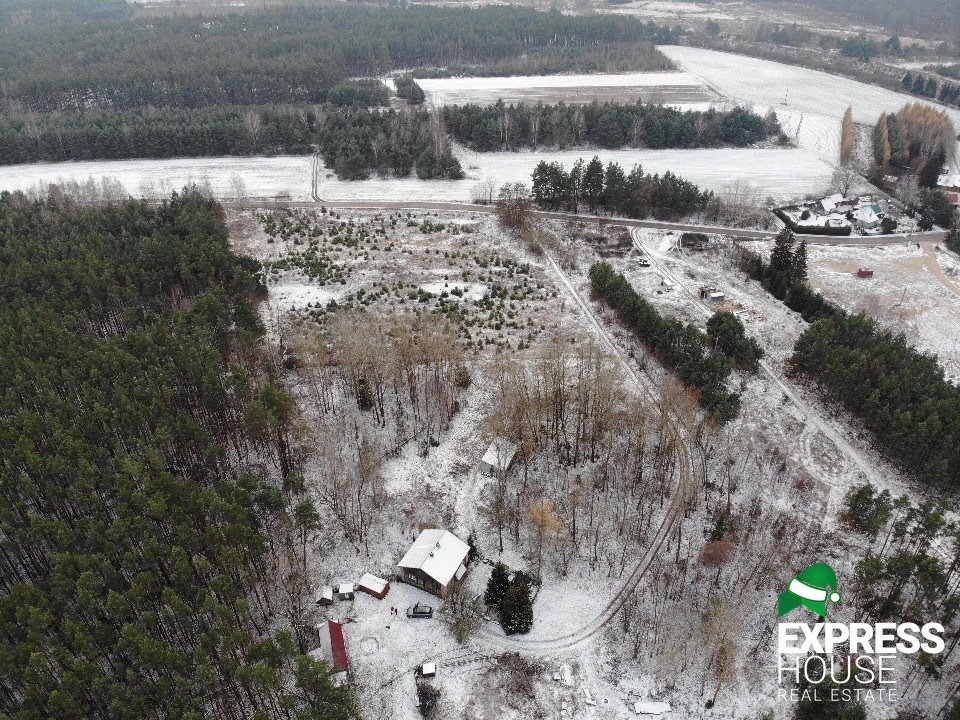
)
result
[(780, 173), (914, 290), (262, 176), (789, 88), (660, 87), (674, 10)]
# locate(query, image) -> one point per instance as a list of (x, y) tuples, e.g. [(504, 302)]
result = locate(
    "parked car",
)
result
[(643, 262), (420, 611)]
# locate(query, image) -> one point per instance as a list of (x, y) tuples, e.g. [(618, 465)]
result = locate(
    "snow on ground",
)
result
[(291, 294), (467, 291), (913, 290), (782, 173), (661, 87), (262, 176), (790, 87), (685, 10)]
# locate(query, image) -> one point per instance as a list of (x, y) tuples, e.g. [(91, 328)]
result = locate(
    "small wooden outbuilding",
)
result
[(373, 585), (498, 458)]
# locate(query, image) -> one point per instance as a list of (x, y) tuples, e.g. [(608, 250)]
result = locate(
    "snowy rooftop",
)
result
[(439, 553), (372, 582), (499, 454)]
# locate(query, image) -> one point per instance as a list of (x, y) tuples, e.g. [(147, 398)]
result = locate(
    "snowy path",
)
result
[(865, 466)]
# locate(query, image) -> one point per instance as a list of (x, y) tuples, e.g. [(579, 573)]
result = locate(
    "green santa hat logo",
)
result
[(811, 589)]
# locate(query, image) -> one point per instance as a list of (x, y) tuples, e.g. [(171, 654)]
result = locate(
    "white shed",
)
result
[(498, 458)]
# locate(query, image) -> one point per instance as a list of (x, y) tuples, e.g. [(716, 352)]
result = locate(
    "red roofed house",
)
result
[(332, 650)]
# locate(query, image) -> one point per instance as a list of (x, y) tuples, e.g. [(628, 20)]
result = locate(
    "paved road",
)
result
[(927, 237)]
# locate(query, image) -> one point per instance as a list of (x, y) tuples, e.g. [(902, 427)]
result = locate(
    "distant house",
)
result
[(498, 458), (866, 217), (373, 585), (829, 204), (435, 561), (949, 183), (332, 650)]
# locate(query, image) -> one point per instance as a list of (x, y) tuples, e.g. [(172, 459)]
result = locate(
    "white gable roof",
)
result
[(438, 553), (499, 455)]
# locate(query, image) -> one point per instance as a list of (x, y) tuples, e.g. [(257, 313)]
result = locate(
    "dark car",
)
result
[(420, 611), (643, 262)]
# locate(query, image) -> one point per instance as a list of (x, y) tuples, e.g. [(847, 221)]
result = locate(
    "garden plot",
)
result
[(657, 87)]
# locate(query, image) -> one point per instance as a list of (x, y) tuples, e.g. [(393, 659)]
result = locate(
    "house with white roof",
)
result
[(436, 560)]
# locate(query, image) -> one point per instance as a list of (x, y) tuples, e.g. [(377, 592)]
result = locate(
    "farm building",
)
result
[(372, 585), (712, 294), (325, 595), (332, 650), (436, 560), (345, 591), (498, 458)]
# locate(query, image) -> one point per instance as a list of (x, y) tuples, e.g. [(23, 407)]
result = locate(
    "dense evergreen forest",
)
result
[(633, 194), (290, 54), (150, 133), (356, 141), (140, 540), (607, 125), (92, 80)]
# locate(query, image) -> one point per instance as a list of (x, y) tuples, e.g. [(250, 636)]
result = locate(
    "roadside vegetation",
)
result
[(590, 186)]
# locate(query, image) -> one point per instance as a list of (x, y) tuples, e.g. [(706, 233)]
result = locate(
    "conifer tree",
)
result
[(516, 613), (497, 587)]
